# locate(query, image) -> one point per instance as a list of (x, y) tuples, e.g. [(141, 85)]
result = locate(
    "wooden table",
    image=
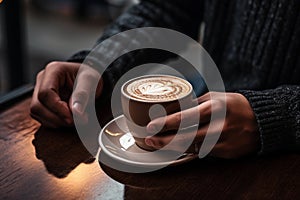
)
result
[(40, 163)]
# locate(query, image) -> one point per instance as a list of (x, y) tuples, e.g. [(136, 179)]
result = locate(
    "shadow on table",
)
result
[(60, 150)]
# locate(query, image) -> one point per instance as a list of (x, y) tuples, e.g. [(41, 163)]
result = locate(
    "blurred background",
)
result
[(35, 32)]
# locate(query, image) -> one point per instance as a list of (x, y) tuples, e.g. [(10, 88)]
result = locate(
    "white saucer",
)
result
[(116, 141)]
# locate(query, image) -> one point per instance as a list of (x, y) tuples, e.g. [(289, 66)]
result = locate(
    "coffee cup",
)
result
[(147, 97)]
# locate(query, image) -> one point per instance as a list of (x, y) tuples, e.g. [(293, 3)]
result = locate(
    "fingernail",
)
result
[(152, 129), (77, 106), (149, 142)]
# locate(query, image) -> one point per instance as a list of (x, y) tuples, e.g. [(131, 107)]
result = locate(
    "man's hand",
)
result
[(239, 134), (54, 100)]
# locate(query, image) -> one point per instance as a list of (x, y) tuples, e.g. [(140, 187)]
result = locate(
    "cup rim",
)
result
[(149, 101)]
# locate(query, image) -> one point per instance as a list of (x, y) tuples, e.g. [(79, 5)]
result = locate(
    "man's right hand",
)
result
[(55, 99)]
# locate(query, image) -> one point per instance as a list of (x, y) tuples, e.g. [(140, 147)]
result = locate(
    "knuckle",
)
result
[(43, 94), (177, 118), (52, 64), (211, 94), (40, 74), (34, 109), (206, 96), (218, 105)]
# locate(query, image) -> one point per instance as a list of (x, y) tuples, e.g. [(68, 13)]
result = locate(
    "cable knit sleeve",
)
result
[(278, 115)]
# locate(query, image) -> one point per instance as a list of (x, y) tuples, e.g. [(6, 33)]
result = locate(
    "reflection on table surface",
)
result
[(40, 163)]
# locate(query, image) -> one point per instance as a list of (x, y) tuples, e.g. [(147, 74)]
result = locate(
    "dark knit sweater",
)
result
[(255, 44)]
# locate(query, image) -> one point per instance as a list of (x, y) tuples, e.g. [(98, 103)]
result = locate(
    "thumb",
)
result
[(84, 90), (79, 101)]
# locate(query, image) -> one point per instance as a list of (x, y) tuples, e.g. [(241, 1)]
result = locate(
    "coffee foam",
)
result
[(157, 88)]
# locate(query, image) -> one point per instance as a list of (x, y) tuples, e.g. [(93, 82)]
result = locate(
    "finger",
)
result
[(46, 117), (196, 115), (208, 137), (39, 112), (57, 106), (204, 98), (211, 96), (86, 87), (48, 93), (177, 141), (211, 133)]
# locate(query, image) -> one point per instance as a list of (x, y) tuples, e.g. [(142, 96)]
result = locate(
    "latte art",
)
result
[(158, 88)]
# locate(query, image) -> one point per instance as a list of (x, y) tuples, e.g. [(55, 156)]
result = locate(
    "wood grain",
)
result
[(40, 163)]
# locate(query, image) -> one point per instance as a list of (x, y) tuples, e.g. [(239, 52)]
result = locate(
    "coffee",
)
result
[(169, 94), (157, 88)]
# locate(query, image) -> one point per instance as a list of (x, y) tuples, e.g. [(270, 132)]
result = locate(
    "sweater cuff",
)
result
[(271, 120)]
